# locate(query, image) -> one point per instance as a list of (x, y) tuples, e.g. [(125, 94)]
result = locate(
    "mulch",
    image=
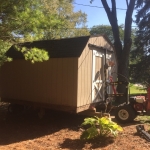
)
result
[(59, 130)]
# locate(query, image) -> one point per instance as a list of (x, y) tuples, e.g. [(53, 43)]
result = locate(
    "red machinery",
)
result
[(142, 103), (138, 104)]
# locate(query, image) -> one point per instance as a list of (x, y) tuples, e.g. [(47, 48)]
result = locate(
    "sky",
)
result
[(97, 16)]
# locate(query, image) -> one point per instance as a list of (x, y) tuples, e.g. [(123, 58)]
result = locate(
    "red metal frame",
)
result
[(113, 86)]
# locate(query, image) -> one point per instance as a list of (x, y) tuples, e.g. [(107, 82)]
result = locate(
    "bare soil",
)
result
[(57, 130)]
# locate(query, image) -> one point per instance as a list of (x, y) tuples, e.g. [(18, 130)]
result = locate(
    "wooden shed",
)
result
[(71, 80)]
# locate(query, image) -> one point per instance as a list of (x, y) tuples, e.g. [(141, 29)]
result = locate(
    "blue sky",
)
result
[(97, 16)]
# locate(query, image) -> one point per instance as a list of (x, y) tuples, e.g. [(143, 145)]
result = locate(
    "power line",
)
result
[(91, 27), (96, 6)]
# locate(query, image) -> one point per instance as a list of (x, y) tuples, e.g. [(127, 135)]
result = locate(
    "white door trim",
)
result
[(94, 83)]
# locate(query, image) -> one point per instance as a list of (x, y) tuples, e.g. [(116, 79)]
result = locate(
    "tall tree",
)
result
[(20, 18), (24, 20), (141, 55), (122, 49), (71, 20)]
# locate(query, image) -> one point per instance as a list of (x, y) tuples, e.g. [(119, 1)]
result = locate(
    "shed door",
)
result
[(97, 76)]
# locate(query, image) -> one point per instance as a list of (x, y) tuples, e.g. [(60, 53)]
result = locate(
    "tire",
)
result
[(125, 114)]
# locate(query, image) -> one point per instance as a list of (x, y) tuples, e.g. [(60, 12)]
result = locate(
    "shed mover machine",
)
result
[(133, 106)]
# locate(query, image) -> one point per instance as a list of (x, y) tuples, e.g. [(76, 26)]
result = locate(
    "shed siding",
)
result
[(100, 41), (84, 77), (52, 82), (59, 81), (84, 91)]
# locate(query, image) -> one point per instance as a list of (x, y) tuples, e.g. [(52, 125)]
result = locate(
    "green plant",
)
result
[(99, 127)]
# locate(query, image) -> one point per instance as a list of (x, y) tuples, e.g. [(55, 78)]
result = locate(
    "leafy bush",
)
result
[(99, 127)]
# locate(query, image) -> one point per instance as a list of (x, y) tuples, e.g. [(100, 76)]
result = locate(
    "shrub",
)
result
[(99, 127)]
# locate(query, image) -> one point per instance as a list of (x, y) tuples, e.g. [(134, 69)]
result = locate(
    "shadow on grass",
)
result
[(88, 144)]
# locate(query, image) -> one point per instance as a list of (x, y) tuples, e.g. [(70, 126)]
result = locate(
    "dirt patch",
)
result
[(57, 130)]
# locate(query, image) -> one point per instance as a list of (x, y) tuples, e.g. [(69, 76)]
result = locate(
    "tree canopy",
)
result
[(107, 30), (22, 21), (140, 68)]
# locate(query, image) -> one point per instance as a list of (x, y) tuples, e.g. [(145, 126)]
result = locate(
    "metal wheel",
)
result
[(125, 114)]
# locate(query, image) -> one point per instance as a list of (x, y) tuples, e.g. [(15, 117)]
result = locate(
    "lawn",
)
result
[(136, 90)]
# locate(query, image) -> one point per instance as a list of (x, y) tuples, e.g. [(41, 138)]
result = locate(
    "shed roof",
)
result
[(100, 48), (58, 48)]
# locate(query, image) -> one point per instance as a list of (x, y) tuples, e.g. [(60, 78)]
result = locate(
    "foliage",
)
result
[(19, 19), (99, 127), (107, 30), (22, 21), (140, 68), (71, 20), (33, 54), (3, 48)]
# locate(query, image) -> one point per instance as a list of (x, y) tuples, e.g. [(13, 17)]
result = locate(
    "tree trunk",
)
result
[(123, 70), (122, 76), (121, 51)]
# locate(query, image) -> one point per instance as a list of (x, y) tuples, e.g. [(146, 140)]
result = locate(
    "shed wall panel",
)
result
[(84, 77), (85, 70), (100, 41), (62, 81), (54, 81)]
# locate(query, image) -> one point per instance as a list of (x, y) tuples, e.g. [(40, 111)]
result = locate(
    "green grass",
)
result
[(136, 90), (143, 119)]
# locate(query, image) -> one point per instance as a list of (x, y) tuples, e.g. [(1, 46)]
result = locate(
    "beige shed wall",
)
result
[(84, 77), (51, 82), (84, 91), (100, 41)]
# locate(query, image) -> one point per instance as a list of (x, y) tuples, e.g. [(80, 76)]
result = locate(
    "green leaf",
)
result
[(119, 128), (100, 127), (91, 121), (84, 135), (90, 133), (104, 120)]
